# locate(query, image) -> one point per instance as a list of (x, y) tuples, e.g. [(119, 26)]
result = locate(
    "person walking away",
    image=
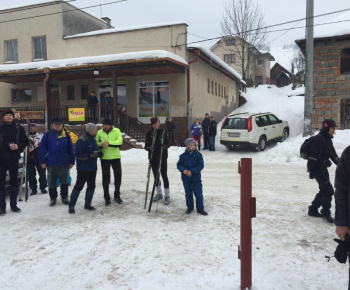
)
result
[(321, 150), (108, 101), (86, 154), (205, 128), (13, 141), (197, 130), (109, 139), (92, 105), (170, 127), (190, 165), (56, 153), (156, 149), (33, 164), (212, 133)]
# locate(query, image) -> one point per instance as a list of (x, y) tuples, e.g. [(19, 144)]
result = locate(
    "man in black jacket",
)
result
[(92, 105), (13, 140), (321, 150), (205, 126), (212, 133), (156, 148)]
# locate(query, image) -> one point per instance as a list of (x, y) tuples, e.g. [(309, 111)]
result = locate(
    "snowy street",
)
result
[(125, 247)]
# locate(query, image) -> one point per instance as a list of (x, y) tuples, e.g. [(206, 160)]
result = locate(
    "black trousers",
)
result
[(206, 139), (324, 196), (83, 177), (163, 171), (106, 176), (10, 164)]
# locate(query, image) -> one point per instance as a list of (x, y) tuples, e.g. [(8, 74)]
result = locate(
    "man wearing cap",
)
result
[(13, 141), (205, 126), (321, 150), (109, 139), (33, 164), (56, 153), (156, 149), (86, 154)]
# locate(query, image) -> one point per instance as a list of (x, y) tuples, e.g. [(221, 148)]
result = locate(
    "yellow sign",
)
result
[(76, 114), (121, 80)]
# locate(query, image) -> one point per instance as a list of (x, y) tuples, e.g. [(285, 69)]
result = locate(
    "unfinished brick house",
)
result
[(331, 73)]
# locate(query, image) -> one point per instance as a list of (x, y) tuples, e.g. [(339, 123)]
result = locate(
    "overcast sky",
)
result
[(204, 16)]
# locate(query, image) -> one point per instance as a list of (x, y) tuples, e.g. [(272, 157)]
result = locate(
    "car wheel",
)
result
[(284, 135), (261, 144)]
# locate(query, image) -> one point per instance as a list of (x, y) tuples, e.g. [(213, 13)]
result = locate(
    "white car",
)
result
[(247, 130)]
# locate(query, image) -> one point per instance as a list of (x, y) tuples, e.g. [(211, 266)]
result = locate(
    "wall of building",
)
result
[(330, 87)]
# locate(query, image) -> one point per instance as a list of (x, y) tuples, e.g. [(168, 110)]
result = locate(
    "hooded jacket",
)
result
[(115, 140)]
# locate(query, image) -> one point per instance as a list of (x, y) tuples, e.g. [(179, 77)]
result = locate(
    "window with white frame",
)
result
[(229, 58), (259, 62), (11, 50), (40, 50), (153, 99), (230, 42)]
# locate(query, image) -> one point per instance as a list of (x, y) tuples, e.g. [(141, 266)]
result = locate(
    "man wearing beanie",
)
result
[(56, 153), (321, 150), (109, 139), (156, 148), (33, 163), (86, 154), (13, 141)]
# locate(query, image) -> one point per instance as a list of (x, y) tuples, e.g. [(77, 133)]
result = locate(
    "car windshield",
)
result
[(236, 123)]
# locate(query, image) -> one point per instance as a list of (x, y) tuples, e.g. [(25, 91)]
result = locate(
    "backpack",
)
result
[(305, 147)]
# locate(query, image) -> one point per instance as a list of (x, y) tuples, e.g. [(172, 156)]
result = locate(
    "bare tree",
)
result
[(298, 67), (243, 22)]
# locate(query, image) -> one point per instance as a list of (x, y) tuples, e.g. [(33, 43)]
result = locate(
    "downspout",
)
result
[(46, 86), (197, 53)]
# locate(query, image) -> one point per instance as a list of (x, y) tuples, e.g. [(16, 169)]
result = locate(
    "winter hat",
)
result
[(90, 127), (188, 141), (154, 120), (8, 111), (107, 121), (108, 93), (57, 121), (211, 117), (32, 124), (326, 124)]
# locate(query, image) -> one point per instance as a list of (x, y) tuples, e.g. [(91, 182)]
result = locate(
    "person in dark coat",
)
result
[(212, 133), (86, 154), (342, 195), (170, 127), (13, 140), (57, 155), (92, 105), (156, 149), (190, 165), (321, 150), (205, 126), (33, 164)]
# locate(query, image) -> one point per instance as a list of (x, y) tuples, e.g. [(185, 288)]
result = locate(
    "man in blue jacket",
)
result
[(57, 155), (86, 153)]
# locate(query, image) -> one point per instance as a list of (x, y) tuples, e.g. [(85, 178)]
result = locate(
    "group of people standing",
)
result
[(208, 129)]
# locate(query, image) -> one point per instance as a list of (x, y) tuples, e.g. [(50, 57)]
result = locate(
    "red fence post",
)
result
[(248, 211)]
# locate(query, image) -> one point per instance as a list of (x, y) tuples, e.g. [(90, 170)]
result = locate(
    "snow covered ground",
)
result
[(125, 247)]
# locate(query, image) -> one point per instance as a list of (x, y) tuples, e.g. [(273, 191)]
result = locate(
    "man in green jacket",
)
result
[(109, 139)]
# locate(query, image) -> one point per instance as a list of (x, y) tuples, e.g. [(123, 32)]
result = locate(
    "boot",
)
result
[(199, 147), (16, 209), (188, 211), (314, 212), (159, 194), (167, 196), (64, 193), (53, 193), (65, 199), (43, 190), (117, 198), (202, 212), (328, 218), (89, 207), (71, 209), (108, 202), (52, 202), (2, 211), (34, 191)]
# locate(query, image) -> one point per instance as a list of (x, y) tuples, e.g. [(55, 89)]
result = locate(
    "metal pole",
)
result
[(309, 68), (248, 211)]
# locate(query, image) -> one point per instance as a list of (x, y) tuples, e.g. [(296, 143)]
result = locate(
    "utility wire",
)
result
[(31, 17)]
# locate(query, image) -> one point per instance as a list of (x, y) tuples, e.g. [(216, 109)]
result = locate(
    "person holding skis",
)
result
[(190, 165), (196, 130), (205, 127), (86, 154), (156, 149), (13, 140), (33, 164), (56, 153), (109, 139), (321, 150)]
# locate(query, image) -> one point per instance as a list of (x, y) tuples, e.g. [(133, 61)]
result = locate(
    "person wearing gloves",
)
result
[(86, 154), (321, 150), (109, 139), (196, 130), (190, 165)]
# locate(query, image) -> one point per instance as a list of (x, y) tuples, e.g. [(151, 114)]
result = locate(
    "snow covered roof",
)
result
[(89, 60), (23, 3), (282, 56), (218, 61), (338, 26), (123, 29)]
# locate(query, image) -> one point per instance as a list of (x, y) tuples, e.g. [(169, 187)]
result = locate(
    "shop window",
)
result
[(11, 48), (21, 95), (70, 93), (153, 99), (345, 61)]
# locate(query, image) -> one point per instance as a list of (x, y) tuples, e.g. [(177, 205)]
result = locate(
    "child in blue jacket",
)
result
[(190, 165)]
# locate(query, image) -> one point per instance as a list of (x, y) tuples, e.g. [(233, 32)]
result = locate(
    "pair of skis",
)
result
[(24, 176), (156, 180)]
